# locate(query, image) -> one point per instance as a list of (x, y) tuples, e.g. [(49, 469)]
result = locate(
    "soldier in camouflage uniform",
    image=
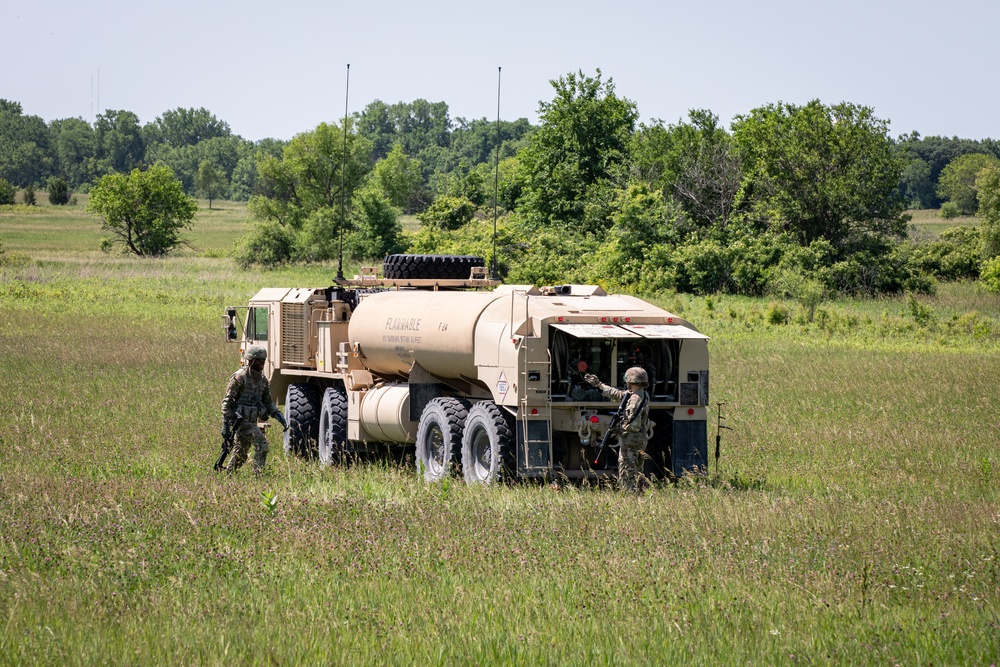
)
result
[(248, 400), (634, 424)]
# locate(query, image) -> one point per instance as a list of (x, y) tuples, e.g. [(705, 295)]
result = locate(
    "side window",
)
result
[(257, 324)]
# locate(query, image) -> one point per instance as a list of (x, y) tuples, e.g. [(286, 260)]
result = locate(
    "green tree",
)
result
[(7, 192), (58, 191), (145, 211), (575, 157), (399, 178), (210, 181), (25, 147), (120, 146), (822, 172), (75, 145), (303, 190), (958, 180), (988, 192), (694, 163), (188, 127), (916, 184), (377, 232)]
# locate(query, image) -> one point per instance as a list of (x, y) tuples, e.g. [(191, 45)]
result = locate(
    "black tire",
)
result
[(333, 426), (430, 267), (302, 405), (488, 445), (439, 437)]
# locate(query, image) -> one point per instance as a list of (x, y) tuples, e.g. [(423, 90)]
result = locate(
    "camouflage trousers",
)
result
[(248, 434), (631, 456)]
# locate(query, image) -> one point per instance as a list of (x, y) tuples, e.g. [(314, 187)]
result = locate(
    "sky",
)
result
[(276, 69)]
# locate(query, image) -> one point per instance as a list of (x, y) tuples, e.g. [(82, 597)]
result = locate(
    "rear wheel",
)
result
[(488, 445), (333, 426), (302, 406), (439, 437)]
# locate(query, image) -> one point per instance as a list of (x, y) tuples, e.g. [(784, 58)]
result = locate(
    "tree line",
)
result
[(801, 199)]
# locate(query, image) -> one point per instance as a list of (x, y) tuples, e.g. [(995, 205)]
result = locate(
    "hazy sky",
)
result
[(274, 69)]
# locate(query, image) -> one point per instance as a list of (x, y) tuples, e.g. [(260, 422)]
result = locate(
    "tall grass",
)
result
[(854, 519)]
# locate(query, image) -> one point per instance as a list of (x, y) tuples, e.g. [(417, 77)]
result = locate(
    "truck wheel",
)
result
[(430, 267), (302, 405), (439, 437), (488, 445), (333, 426)]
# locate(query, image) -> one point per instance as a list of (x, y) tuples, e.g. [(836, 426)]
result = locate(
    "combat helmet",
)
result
[(637, 375), (255, 352)]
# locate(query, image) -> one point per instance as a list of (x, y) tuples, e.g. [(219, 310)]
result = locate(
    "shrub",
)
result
[(704, 267), (28, 196), (448, 213), (269, 244), (58, 191), (955, 255), (949, 210), (990, 274), (7, 192), (777, 313)]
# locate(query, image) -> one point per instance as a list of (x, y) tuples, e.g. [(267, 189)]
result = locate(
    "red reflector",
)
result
[(560, 319), (670, 319), (628, 319), (604, 319), (534, 411), (594, 419), (690, 411)]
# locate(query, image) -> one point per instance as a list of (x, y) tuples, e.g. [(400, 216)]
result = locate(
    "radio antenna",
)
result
[(496, 182), (343, 181)]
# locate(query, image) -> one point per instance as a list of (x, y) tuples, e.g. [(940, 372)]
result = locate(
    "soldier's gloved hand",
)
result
[(592, 379), (227, 429), (281, 420)]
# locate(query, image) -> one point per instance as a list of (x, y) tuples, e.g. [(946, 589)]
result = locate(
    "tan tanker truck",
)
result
[(481, 378)]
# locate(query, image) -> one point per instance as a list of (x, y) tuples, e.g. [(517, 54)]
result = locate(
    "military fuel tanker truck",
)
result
[(478, 378)]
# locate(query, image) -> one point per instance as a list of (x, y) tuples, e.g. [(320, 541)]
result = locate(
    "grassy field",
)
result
[(855, 517)]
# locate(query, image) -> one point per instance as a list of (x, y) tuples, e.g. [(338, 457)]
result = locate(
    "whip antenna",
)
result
[(496, 183), (343, 179)]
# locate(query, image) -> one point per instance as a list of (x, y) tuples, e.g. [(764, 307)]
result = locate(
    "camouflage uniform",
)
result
[(248, 394), (634, 429)]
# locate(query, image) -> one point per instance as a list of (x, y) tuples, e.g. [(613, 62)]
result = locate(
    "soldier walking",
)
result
[(634, 424), (248, 400)]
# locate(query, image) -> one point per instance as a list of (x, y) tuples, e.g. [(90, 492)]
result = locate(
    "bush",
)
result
[(448, 213), (28, 196), (58, 191), (955, 255), (703, 268), (269, 244), (950, 210), (7, 192), (991, 274)]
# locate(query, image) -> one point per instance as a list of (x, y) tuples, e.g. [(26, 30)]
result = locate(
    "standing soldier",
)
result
[(248, 399), (634, 423)]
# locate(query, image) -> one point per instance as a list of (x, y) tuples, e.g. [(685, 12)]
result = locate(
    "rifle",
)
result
[(227, 443), (616, 421)]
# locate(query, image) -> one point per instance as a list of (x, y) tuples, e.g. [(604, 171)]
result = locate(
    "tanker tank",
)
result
[(392, 330)]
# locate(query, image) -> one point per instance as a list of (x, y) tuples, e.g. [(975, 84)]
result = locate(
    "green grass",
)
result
[(928, 223), (855, 517)]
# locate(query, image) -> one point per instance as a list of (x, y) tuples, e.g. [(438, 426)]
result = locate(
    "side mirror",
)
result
[(229, 324)]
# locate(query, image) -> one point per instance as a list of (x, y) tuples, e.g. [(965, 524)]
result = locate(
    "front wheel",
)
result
[(488, 445), (439, 437), (333, 426)]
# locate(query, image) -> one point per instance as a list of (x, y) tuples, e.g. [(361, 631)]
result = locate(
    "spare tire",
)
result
[(430, 267)]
